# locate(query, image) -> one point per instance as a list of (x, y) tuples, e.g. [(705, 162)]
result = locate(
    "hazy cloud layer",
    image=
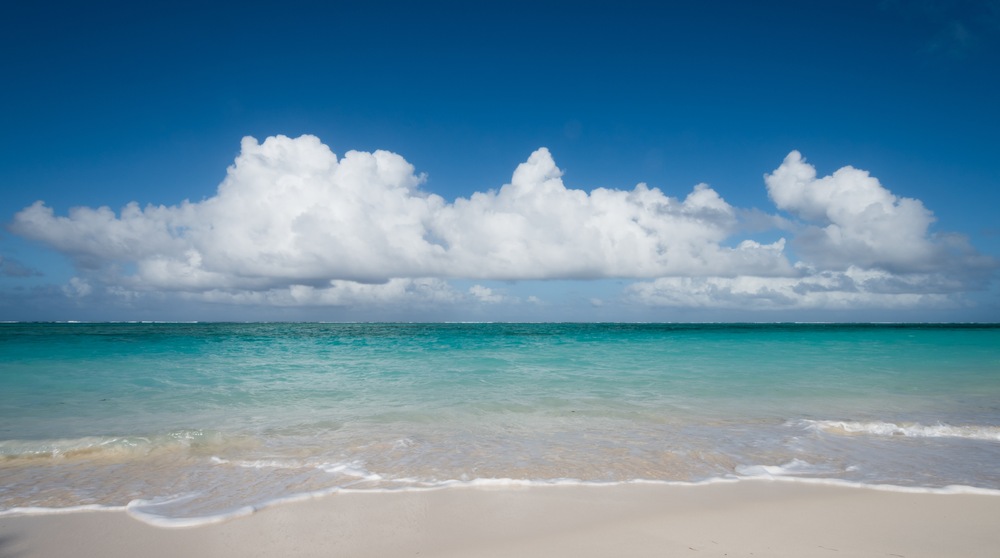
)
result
[(852, 288), (294, 225), (10, 267)]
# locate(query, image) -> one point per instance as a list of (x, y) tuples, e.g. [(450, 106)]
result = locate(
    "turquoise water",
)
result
[(183, 422)]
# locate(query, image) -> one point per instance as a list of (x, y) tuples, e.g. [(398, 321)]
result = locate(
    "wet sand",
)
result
[(749, 518)]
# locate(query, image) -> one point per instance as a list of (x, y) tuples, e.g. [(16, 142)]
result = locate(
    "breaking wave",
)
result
[(907, 429)]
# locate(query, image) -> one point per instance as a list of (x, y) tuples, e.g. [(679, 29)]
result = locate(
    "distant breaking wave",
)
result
[(907, 429), (123, 447)]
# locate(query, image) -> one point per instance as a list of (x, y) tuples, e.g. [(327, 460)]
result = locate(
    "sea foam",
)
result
[(911, 429)]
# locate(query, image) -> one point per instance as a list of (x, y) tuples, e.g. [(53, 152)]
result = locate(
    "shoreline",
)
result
[(754, 517), (136, 512)]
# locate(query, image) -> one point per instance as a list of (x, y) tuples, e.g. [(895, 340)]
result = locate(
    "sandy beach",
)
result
[(755, 518)]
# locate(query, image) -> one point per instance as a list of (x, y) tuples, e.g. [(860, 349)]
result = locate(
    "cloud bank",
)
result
[(293, 224)]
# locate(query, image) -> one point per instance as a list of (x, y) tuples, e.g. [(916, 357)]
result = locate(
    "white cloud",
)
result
[(860, 246), (485, 294), (831, 290), (405, 291), (852, 219), (293, 225), (849, 219), (77, 288), (290, 213)]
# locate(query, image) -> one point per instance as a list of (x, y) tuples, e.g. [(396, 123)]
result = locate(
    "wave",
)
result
[(122, 447), (799, 472), (151, 512), (906, 429), (38, 510), (352, 469), (795, 467)]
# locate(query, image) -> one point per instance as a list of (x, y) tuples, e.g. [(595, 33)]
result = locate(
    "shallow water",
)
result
[(182, 421)]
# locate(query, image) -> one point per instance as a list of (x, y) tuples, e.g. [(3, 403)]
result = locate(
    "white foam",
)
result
[(801, 471), (32, 510), (793, 467), (261, 463), (147, 510), (351, 469), (914, 430), (729, 479), (950, 489)]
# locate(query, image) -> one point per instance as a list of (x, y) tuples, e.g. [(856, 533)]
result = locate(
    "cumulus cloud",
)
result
[(292, 224), (850, 219), (853, 219), (536, 228), (290, 213), (485, 294), (859, 246)]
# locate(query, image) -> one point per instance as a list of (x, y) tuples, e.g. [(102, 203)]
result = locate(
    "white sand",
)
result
[(758, 518)]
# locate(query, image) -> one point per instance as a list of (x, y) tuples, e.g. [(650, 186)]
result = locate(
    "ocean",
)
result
[(181, 424)]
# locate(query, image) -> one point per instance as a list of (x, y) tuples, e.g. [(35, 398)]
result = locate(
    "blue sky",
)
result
[(104, 104)]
